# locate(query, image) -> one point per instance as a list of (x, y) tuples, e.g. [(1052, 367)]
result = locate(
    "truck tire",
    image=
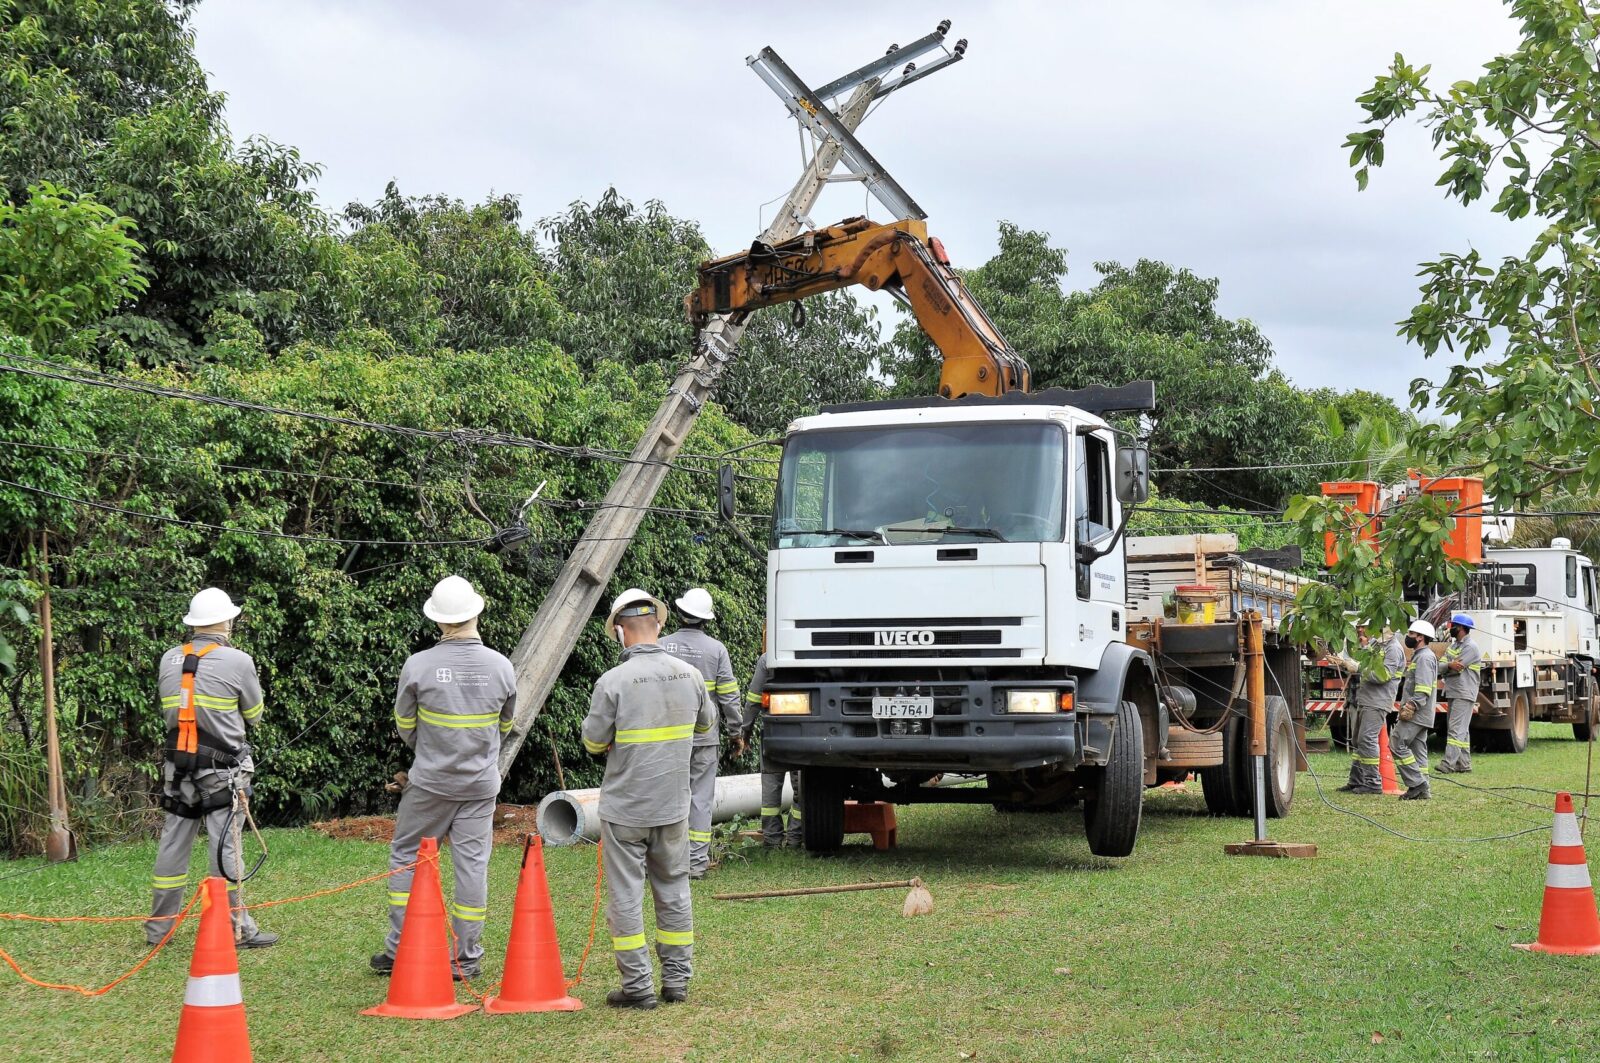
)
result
[(1583, 731), (1512, 739), (1281, 750), (821, 809), (1111, 814), (1225, 786)]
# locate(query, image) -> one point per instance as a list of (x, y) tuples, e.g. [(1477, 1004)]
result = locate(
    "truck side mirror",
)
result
[(1133, 475), (725, 502)]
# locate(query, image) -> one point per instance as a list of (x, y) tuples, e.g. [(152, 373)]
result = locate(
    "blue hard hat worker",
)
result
[(1462, 667)]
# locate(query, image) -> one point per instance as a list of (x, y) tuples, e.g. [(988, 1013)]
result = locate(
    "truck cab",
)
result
[(947, 594)]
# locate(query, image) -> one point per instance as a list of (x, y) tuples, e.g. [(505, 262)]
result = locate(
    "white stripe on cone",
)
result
[(1565, 831), (213, 991), (1567, 876)]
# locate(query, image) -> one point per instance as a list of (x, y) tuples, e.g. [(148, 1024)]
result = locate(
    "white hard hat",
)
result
[(1423, 628), (453, 602), (210, 606), (696, 602), (632, 598)]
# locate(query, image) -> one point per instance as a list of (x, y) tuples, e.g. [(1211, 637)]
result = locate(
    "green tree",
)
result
[(1520, 408), (106, 97)]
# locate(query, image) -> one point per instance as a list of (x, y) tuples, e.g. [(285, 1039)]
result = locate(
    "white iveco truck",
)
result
[(947, 593)]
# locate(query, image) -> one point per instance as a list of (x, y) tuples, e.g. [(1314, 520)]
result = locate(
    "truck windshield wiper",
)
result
[(854, 533), (982, 533)]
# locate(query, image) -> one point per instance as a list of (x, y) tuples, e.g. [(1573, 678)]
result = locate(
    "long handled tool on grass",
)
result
[(918, 902)]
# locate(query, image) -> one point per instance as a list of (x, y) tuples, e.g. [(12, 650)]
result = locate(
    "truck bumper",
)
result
[(967, 732)]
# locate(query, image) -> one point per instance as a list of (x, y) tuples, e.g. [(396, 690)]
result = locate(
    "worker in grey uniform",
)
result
[(1409, 740), (692, 645), (210, 698), (1462, 666), (455, 702), (1375, 696), (643, 717), (773, 835)]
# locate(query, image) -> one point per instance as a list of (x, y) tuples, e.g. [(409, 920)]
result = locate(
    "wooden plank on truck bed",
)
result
[(1179, 547)]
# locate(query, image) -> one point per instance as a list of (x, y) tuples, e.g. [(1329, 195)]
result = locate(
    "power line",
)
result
[(461, 436), (547, 503)]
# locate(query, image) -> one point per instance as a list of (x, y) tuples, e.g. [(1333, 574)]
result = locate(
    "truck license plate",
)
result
[(902, 708)]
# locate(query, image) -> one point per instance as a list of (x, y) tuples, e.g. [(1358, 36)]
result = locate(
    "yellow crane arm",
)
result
[(898, 256)]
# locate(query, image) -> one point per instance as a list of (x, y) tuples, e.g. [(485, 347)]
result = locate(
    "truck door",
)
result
[(1585, 619), (1095, 510)]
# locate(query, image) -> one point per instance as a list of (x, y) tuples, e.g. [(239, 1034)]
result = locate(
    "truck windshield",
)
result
[(926, 483)]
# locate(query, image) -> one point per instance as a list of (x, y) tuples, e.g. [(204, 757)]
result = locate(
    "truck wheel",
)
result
[(1221, 783), (1111, 815), (1513, 739), (1280, 764), (821, 809), (1583, 731)]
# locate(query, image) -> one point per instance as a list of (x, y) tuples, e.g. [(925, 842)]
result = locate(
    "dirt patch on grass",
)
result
[(512, 823)]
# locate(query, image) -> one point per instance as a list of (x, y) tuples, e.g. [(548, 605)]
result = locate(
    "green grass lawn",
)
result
[(1035, 951)]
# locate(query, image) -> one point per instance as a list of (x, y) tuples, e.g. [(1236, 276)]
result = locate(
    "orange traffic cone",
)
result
[(532, 979), (420, 986), (1569, 925), (212, 1029), (1391, 785)]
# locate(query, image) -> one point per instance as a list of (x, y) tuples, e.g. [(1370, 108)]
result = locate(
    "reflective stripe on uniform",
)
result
[(1458, 743), (457, 720), (169, 882), (627, 944), (752, 697), (1407, 759), (674, 937), (206, 701), (1423, 688), (702, 730), (253, 714), (505, 726), (398, 900), (213, 991), (596, 748), (699, 835), (641, 735), (765, 811), (727, 688), (468, 913), (1366, 760), (405, 723), (794, 812)]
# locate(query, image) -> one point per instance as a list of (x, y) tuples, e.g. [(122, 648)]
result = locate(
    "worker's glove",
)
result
[(1407, 711), (740, 745)]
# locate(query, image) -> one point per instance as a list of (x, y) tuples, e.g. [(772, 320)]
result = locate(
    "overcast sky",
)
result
[(1205, 133)]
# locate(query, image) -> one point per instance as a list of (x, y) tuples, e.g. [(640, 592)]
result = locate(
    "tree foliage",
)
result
[(1520, 408)]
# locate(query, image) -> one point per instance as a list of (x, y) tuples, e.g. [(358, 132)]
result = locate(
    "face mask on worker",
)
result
[(1412, 642)]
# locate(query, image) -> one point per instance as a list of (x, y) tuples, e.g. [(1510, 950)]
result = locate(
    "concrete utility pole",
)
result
[(573, 598)]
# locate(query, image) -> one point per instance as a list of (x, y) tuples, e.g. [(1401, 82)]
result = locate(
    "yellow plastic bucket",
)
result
[(1197, 603)]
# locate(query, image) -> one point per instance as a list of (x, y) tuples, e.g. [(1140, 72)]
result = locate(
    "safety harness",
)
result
[(191, 748)]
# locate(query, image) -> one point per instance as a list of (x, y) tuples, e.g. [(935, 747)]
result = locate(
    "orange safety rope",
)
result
[(109, 986), (188, 729), (594, 916)]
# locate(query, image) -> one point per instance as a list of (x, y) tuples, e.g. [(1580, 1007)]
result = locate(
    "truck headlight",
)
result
[(790, 703), (1037, 701)]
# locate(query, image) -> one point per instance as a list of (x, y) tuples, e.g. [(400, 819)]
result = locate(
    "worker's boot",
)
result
[(382, 962), (674, 994), (261, 939), (618, 998), (1366, 790), (1416, 793)]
